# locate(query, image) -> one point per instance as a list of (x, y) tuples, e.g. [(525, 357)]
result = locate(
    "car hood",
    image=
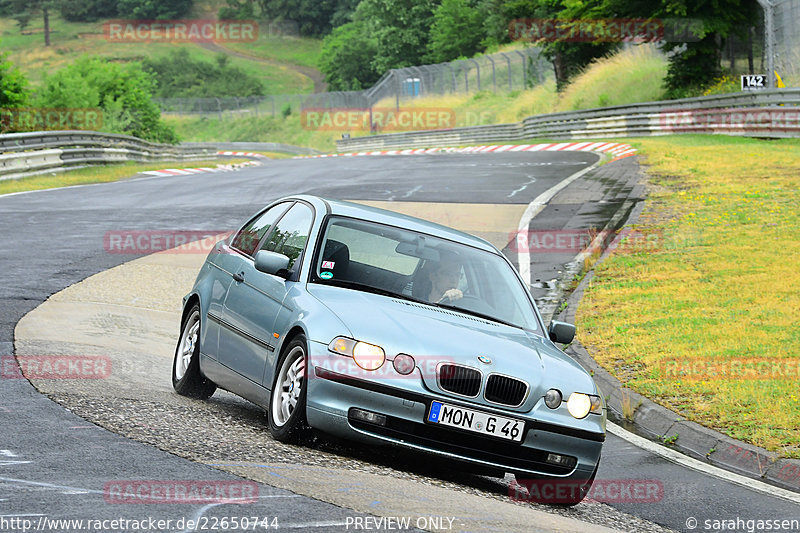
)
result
[(434, 335)]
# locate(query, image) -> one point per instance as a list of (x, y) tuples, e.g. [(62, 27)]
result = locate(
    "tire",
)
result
[(187, 380), (287, 403)]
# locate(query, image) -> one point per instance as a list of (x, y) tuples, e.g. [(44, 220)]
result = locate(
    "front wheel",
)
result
[(187, 380), (287, 404)]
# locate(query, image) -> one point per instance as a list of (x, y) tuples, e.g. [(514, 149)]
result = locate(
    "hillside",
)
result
[(283, 64)]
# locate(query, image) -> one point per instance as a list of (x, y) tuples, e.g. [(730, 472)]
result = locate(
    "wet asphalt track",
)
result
[(52, 462)]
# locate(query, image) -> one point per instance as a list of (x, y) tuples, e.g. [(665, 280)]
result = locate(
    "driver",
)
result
[(444, 281)]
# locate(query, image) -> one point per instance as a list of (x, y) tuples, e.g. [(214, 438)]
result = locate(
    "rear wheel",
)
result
[(187, 380), (287, 404)]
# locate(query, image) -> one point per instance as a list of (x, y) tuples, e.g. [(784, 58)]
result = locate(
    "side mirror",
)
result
[(561, 332), (271, 263)]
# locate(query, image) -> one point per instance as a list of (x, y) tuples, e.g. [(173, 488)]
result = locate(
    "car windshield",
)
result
[(372, 257)]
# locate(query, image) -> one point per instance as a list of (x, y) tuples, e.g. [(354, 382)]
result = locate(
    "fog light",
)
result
[(553, 398), (560, 460), (368, 416), (404, 364)]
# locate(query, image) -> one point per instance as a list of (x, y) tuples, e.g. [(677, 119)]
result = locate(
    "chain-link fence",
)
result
[(500, 72)]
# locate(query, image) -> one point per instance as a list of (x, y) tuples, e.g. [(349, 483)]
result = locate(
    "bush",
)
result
[(179, 75), (13, 85), (122, 92)]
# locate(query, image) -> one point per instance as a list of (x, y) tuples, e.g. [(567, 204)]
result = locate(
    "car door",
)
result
[(254, 299), (227, 263)]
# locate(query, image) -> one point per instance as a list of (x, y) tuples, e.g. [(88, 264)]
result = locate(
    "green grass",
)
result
[(99, 174), (721, 288), (302, 51), (252, 129)]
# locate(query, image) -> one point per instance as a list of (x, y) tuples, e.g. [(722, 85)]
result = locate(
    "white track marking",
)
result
[(533, 209)]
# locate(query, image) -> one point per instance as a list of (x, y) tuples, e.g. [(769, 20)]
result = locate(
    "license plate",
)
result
[(476, 421)]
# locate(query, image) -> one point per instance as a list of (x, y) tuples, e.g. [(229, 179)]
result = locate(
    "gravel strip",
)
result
[(229, 429)]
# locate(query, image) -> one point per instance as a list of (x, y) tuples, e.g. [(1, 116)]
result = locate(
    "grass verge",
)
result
[(100, 174), (704, 320)]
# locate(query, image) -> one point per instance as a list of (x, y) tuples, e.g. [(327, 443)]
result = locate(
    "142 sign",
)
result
[(752, 82)]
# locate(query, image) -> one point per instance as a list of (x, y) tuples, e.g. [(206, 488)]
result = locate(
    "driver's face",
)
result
[(449, 273)]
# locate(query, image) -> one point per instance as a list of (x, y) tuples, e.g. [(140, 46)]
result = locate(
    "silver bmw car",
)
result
[(386, 329)]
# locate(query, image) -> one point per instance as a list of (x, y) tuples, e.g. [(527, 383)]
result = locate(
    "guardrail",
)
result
[(773, 114), (254, 147), (26, 154)]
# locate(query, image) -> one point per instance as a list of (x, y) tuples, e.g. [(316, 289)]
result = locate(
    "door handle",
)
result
[(238, 277)]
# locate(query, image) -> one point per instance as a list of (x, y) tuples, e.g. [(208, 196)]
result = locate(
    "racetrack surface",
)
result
[(55, 239)]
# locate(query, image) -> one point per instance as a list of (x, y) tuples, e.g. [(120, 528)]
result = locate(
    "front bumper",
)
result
[(332, 396)]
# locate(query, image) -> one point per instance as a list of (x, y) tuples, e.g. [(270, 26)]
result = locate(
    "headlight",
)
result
[(553, 398), (580, 405), (367, 356)]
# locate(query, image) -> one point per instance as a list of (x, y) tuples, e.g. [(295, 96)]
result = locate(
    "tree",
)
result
[(24, 10), (401, 29), (568, 58), (154, 9), (238, 10), (122, 92), (346, 58), (314, 17), (457, 31), (695, 65), (87, 10)]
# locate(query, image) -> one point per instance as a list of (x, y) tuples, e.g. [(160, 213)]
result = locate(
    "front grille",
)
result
[(505, 390), (459, 380)]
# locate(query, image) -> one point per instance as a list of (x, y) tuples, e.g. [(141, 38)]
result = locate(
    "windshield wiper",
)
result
[(478, 314)]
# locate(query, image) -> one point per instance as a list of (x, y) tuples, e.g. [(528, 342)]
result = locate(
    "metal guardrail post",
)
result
[(524, 69), (478, 68), (494, 76)]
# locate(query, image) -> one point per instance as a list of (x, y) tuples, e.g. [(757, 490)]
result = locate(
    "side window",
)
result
[(290, 235), (251, 234)]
